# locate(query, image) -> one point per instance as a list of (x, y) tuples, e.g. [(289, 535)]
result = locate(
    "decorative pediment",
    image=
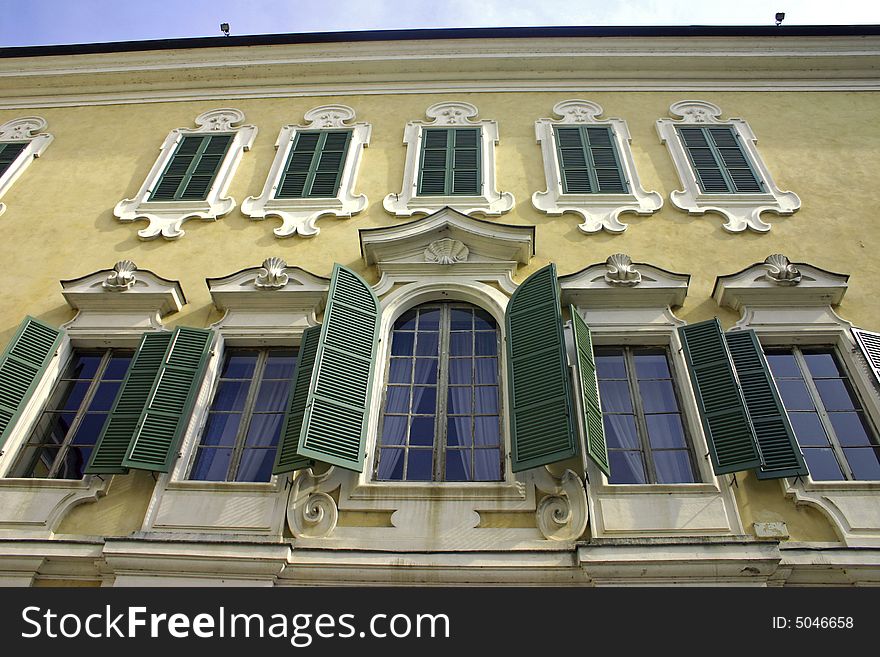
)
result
[(120, 302)]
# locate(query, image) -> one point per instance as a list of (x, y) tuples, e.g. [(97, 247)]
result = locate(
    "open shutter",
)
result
[(542, 427), (21, 368), (337, 407), (163, 419), (731, 438), (287, 458), (780, 454), (119, 429), (869, 343), (585, 367)]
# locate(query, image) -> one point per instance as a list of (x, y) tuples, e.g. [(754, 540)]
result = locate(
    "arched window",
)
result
[(441, 418)]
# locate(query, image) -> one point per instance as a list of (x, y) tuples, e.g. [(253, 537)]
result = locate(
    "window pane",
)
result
[(485, 343), (426, 370), (89, 429), (402, 343), (52, 428), (421, 431), (391, 464), (427, 344), (658, 396), (239, 364), (400, 370), (221, 429), (822, 464), (406, 322), (419, 465), (73, 463), (424, 400), (35, 461), (69, 395), (626, 467), (486, 400), (620, 431), (83, 366), (397, 400), (665, 431), (280, 364), (459, 400), (458, 431), (264, 430), (483, 321), (461, 344), (486, 370), (117, 367), (211, 464), (614, 396), (487, 431), (795, 396), (256, 465), (850, 428), (458, 465), (835, 395), (783, 365), (105, 395), (461, 319), (272, 396), (610, 364), (461, 370), (864, 462), (651, 364), (487, 465), (822, 365), (673, 467), (429, 319), (394, 430), (808, 429), (231, 396)]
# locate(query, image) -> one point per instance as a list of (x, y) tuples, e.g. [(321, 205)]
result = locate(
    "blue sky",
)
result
[(43, 22)]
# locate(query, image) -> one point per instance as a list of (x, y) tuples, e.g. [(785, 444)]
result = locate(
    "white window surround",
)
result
[(456, 115), (114, 308), (626, 303), (299, 215), (599, 211), (166, 217), (741, 210), (24, 129), (789, 303), (263, 306)]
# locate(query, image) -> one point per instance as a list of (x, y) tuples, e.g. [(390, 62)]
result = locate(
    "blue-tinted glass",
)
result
[(783, 365), (426, 371), (620, 431), (84, 366), (117, 367), (211, 464), (673, 467), (239, 364), (255, 465), (486, 399), (658, 396), (429, 319), (52, 428), (37, 462), (400, 370), (406, 322), (851, 429), (485, 343), (487, 432), (89, 429), (795, 396), (272, 396), (397, 399), (487, 465), (394, 430), (864, 462), (808, 429), (424, 400), (419, 465), (231, 395), (461, 344), (105, 395), (651, 364), (461, 319), (280, 364), (461, 370), (626, 467), (402, 343), (483, 321), (822, 365), (221, 429), (614, 396), (822, 464), (391, 464), (457, 465), (610, 364), (70, 395), (427, 344), (74, 462), (264, 430), (665, 431), (458, 431), (421, 431), (459, 400), (835, 395), (486, 370)]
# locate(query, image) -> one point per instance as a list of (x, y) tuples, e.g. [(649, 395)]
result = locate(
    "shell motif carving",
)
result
[(446, 251), (122, 276), (621, 271), (780, 270), (273, 276)]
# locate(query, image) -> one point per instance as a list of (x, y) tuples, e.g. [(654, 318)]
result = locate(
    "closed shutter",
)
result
[(589, 161), (120, 428), (780, 454), (731, 438), (869, 343), (192, 169), (337, 407), (287, 458), (315, 164), (21, 368), (597, 449), (719, 160), (164, 418), (450, 162), (9, 151), (542, 426)]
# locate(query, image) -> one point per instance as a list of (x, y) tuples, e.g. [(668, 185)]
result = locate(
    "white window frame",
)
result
[(598, 211), (299, 215), (454, 114), (25, 129), (166, 217), (740, 210)]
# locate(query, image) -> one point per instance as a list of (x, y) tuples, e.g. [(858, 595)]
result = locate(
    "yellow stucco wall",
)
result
[(59, 223)]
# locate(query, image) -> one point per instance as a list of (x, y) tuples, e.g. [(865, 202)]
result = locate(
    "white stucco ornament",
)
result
[(122, 276), (272, 276)]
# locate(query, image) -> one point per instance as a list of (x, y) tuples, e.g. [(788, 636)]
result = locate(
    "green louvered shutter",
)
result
[(780, 454), (597, 449), (541, 409), (336, 411), (21, 367), (119, 429), (314, 166), (287, 458), (589, 161), (732, 443), (719, 160), (192, 169), (450, 162), (869, 343), (9, 151), (163, 419)]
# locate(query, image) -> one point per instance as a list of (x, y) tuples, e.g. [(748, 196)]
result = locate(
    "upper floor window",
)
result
[(719, 160), (589, 160), (9, 152), (829, 421), (192, 169), (450, 162), (20, 142), (442, 418), (314, 166)]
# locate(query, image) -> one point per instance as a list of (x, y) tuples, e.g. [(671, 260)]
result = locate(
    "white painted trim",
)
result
[(25, 129)]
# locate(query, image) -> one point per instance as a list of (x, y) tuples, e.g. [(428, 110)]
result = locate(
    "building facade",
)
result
[(563, 306)]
